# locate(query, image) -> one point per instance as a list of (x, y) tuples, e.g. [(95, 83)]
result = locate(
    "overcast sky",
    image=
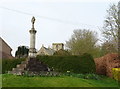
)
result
[(55, 20)]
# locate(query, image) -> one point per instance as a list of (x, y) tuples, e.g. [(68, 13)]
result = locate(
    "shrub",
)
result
[(8, 64), (85, 76), (74, 64), (41, 74), (116, 73)]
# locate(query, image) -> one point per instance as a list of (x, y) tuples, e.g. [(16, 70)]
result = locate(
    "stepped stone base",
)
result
[(31, 66)]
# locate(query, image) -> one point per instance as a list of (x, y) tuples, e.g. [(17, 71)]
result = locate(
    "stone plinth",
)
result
[(35, 66), (31, 65)]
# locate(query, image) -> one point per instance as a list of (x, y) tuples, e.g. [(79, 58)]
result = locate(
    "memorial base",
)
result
[(31, 65)]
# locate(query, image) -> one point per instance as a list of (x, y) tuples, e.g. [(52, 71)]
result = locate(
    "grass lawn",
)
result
[(62, 81)]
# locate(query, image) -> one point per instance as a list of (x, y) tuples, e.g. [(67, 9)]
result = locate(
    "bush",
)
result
[(85, 76), (74, 64), (8, 64), (116, 73)]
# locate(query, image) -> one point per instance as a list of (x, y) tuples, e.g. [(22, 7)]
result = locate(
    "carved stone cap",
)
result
[(32, 31), (33, 21)]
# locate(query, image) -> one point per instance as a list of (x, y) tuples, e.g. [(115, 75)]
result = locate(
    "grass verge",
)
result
[(9, 80)]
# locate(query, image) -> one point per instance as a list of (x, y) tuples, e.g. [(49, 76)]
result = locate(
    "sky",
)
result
[(55, 20)]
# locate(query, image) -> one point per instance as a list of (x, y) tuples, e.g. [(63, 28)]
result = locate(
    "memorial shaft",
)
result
[(32, 50)]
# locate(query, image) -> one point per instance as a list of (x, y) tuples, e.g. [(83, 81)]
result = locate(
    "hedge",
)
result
[(8, 64), (74, 64), (62, 52)]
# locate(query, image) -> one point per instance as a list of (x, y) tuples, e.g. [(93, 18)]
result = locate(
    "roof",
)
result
[(50, 51), (47, 51)]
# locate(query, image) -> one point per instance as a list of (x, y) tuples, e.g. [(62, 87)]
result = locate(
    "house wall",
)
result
[(5, 50), (0, 49), (45, 51), (41, 51), (57, 46)]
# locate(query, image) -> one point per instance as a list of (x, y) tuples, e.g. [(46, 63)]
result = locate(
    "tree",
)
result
[(119, 29), (111, 25), (82, 41), (22, 52), (108, 47)]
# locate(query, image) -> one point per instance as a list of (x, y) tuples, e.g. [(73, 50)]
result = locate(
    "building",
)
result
[(57, 46), (50, 51), (5, 50), (45, 51)]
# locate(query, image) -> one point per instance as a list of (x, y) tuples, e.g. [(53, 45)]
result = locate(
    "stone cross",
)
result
[(33, 21)]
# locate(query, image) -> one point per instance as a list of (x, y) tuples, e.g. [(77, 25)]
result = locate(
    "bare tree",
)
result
[(111, 25), (119, 29)]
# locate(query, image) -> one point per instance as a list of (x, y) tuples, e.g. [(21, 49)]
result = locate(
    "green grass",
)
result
[(62, 81), (0, 80)]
